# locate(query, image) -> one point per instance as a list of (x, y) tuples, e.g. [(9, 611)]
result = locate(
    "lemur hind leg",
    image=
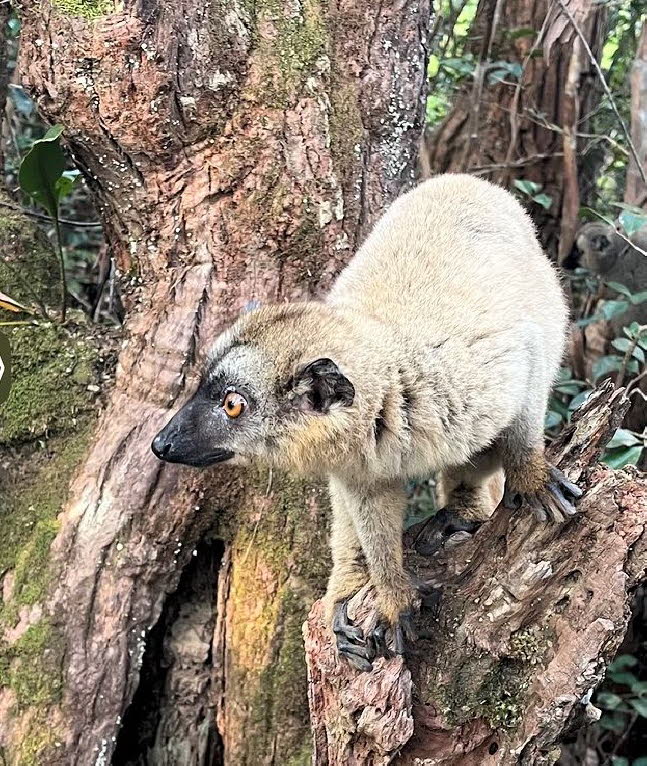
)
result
[(531, 478), (467, 496)]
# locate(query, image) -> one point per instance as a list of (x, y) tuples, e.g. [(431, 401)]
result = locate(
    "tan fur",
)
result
[(450, 324)]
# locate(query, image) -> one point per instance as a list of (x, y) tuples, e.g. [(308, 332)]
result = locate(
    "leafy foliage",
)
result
[(42, 176)]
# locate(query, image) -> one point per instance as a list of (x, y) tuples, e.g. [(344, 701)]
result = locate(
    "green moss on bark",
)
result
[(29, 517), (51, 369), (280, 565), (28, 265), (34, 672), (293, 52), (86, 9), (38, 746), (346, 129)]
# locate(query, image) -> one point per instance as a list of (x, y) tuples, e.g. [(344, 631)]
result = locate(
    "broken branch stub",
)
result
[(529, 617)]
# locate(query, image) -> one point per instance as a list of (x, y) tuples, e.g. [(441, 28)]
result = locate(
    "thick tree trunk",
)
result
[(529, 616), (238, 152), (511, 130)]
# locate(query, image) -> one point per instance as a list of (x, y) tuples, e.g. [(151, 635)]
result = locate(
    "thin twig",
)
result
[(42, 217), (634, 382), (477, 89), (607, 90), (61, 257), (514, 106), (521, 162), (625, 361)]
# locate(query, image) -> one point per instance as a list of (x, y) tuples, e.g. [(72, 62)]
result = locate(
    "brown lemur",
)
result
[(435, 351)]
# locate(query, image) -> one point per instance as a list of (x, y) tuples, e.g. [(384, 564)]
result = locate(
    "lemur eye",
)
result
[(234, 404)]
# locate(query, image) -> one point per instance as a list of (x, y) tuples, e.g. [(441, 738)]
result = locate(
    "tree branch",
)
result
[(530, 614)]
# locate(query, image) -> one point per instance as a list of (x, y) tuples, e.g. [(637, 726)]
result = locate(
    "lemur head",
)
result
[(275, 387)]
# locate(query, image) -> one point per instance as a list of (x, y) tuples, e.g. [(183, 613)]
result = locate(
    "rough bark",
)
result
[(528, 618), (635, 191), (238, 151), (511, 130)]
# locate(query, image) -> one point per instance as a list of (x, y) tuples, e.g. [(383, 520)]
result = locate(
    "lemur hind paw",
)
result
[(443, 530), (554, 502)]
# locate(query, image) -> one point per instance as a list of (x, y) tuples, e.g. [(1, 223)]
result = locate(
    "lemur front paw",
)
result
[(384, 637), (445, 529), (351, 643), (554, 502)]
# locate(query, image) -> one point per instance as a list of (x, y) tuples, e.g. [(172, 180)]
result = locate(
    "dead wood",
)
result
[(528, 619)]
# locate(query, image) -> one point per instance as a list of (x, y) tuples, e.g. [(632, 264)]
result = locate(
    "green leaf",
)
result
[(623, 677), (14, 26), (553, 419), (460, 66), (527, 187), (639, 687), (615, 722), (609, 701), (619, 458), (571, 387), (565, 373), (623, 661), (632, 221), (640, 706), (605, 365), (619, 760), (638, 298), (66, 183), (578, 401), (544, 200), (610, 309), (515, 34), (642, 761), (619, 288), (623, 438), (624, 344), (632, 330), (41, 168)]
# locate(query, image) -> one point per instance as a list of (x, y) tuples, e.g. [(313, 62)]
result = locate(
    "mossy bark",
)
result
[(508, 656), (45, 427), (238, 151)]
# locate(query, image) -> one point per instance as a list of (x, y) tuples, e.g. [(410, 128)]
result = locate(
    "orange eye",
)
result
[(234, 404)]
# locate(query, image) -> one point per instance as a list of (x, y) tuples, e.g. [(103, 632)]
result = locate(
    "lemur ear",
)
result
[(319, 385)]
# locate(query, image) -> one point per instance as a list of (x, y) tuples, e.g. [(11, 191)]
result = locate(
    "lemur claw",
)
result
[(555, 502), (384, 640), (342, 624), (385, 634), (430, 595), (351, 643), (443, 530), (356, 655)]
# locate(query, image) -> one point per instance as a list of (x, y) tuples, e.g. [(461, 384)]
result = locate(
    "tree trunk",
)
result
[(238, 152), (635, 191), (526, 128), (529, 616)]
